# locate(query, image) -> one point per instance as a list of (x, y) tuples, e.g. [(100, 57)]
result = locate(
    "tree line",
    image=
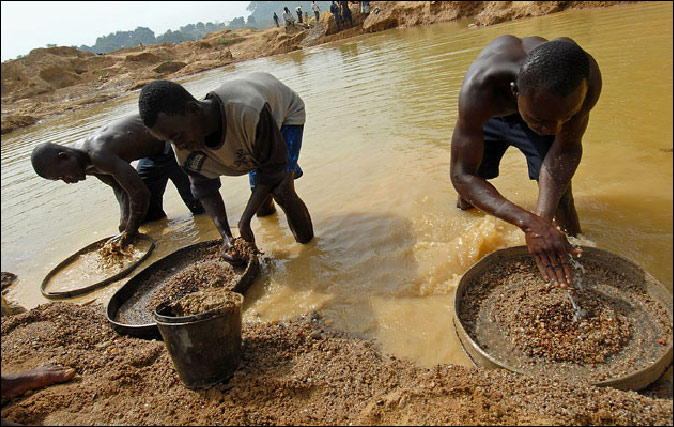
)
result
[(261, 16), (144, 35)]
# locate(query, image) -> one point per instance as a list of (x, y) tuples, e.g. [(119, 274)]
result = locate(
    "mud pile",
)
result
[(296, 372)]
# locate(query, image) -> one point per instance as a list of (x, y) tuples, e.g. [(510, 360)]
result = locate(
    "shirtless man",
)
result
[(107, 154), (536, 95)]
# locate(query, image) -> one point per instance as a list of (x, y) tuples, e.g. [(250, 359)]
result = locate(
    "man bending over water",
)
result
[(535, 95), (107, 154), (252, 124)]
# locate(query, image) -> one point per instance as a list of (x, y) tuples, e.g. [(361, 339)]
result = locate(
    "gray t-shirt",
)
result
[(253, 107)]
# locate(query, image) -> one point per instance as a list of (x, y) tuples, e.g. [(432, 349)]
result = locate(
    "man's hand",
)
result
[(549, 247), (230, 253), (246, 231), (122, 224)]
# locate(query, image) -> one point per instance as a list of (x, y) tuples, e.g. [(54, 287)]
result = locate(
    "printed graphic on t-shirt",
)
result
[(195, 161), (243, 159)]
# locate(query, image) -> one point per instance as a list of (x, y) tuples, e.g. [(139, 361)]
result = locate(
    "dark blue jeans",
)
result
[(292, 135), (503, 132), (155, 171)]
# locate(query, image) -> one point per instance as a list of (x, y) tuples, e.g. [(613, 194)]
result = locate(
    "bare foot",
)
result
[(21, 382)]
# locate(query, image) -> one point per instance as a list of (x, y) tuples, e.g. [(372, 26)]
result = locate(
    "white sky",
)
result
[(30, 24)]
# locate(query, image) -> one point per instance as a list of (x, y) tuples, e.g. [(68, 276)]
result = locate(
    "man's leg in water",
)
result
[(267, 207), (21, 382), (566, 216), (296, 211), (155, 178)]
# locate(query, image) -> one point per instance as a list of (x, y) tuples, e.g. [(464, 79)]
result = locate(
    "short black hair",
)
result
[(162, 96), (556, 66), (43, 157)]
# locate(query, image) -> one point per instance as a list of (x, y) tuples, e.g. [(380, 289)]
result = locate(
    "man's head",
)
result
[(551, 85), (171, 113), (55, 162)]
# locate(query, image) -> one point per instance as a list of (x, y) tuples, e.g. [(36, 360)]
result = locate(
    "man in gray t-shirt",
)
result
[(252, 124)]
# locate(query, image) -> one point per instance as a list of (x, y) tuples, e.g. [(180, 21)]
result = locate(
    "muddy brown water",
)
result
[(390, 245)]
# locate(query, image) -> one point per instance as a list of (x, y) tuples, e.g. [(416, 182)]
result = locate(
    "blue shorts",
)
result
[(292, 135), (503, 132)]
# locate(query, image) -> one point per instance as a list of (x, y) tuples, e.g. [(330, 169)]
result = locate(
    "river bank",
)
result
[(296, 372), (56, 80)]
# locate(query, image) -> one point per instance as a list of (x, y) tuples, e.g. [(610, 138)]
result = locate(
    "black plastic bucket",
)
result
[(205, 348)]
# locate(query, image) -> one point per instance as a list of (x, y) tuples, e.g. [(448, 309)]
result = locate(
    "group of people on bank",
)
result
[(340, 10), (529, 93)]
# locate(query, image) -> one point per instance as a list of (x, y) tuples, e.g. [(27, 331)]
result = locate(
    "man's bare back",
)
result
[(127, 138), (107, 154)]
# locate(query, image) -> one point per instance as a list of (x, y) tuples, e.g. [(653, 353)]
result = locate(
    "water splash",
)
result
[(571, 293)]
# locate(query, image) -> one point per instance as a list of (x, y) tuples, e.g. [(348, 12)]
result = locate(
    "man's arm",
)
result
[(120, 194), (559, 166), (207, 191), (467, 149), (564, 156), (547, 245), (137, 192), (271, 154)]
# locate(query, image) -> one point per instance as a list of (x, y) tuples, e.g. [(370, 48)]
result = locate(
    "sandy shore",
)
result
[(298, 372)]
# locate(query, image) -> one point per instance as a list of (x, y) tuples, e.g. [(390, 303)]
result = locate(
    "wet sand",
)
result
[(295, 372)]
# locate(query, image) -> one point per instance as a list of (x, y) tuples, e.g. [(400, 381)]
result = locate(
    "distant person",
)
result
[(252, 124), (535, 95), (107, 154), (346, 13), (334, 9), (276, 19), (317, 11), (365, 7), (306, 17), (299, 14), (288, 20)]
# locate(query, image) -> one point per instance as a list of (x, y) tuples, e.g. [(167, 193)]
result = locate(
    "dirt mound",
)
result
[(295, 373), (388, 14), (497, 11), (385, 14), (43, 70)]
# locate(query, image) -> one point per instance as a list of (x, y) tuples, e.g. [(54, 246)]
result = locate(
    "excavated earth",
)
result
[(296, 372)]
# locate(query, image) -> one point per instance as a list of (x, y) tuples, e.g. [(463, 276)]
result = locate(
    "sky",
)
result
[(30, 24)]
